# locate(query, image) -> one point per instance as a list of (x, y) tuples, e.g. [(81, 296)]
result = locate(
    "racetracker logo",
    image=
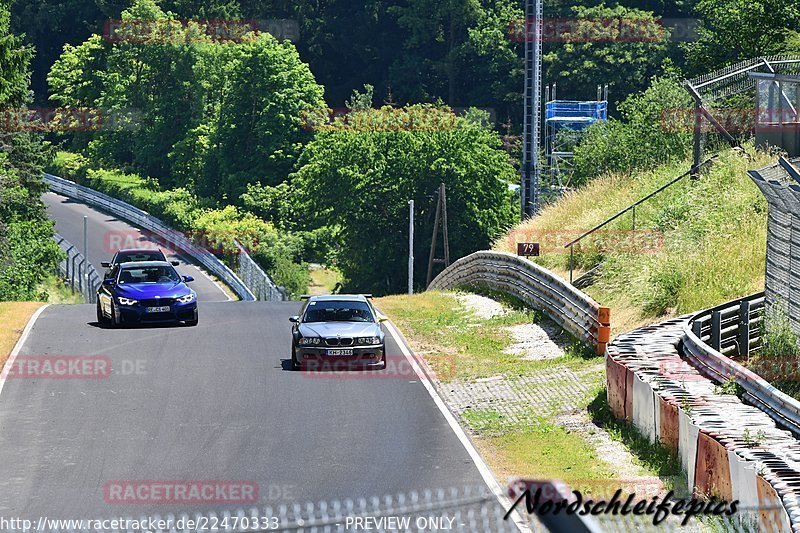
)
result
[(196, 30), (58, 367), (640, 241), (732, 119), (176, 242), (397, 367), (181, 492), (68, 119), (588, 30)]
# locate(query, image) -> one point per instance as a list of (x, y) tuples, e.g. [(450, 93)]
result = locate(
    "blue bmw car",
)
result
[(146, 292)]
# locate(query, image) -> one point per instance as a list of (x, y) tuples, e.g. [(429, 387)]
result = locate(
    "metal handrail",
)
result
[(631, 207)]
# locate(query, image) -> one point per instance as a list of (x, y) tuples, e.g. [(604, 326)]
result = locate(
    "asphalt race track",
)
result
[(106, 232), (213, 402)]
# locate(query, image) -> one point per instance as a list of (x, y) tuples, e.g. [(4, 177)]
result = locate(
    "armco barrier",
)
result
[(146, 221), (538, 287), (727, 448), (77, 271)]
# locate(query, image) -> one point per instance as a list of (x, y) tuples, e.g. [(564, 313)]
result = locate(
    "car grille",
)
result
[(157, 302), (336, 341)]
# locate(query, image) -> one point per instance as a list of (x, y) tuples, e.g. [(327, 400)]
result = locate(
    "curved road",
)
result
[(212, 402), (107, 234)]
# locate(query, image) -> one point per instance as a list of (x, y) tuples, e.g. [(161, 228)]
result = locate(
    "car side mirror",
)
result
[(109, 281), (175, 263), (188, 279), (105, 264), (294, 319), (383, 319)]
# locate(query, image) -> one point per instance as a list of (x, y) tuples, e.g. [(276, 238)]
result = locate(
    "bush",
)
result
[(277, 252), (360, 174), (651, 133)]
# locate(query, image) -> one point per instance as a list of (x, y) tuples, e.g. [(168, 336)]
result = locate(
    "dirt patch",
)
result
[(537, 342), (481, 307)]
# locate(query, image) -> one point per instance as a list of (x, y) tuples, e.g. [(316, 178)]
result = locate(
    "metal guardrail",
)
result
[(146, 221), (780, 406), (734, 328), (77, 271), (256, 279), (538, 287)]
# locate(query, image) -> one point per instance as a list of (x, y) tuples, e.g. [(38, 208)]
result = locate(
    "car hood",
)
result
[(342, 329), (151, 290)]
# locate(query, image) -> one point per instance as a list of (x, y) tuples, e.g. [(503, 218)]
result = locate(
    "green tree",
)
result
[(603, 48), (360, 174), (259, 130), (734, 30), (28, 251), (210, 115)]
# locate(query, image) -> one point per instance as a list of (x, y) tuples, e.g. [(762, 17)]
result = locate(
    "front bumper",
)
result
[(363, 356), (137, 314)]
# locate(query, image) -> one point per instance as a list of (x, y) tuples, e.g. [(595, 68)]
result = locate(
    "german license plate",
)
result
[(158, 309), (339, 352)]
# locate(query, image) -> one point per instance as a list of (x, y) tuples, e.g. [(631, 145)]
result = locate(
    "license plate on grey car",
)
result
[(339, 352)]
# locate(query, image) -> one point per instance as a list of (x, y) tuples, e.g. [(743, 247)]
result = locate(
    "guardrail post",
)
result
[(570, 264), (697, 328), (716, 330), (604, 331), (743, 337)]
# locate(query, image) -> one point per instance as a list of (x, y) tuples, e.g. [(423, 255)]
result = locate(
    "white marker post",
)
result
[(411, 247)]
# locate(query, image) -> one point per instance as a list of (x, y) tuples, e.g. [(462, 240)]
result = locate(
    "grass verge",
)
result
[(13, 318), (699, 243), (530, 440), (58, 292)]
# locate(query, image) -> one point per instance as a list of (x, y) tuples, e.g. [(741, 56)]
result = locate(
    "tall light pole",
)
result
[(411, 247), (531, 166), (85, 238)]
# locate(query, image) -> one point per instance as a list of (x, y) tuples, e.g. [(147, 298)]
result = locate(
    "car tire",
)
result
[(101, 318), (114, 321), (383, 362), (295, 362), (193, 322)]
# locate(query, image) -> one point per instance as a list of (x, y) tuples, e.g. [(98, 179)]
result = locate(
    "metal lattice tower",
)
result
[(531, 166)]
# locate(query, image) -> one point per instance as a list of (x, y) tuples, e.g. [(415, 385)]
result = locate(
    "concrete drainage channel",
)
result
[(728, 449)]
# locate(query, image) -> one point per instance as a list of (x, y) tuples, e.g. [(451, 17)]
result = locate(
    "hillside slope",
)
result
[(699, 243)]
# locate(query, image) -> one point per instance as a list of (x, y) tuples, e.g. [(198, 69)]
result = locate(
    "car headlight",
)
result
[(368, 340), (306, 341), (127, 301), (185, 299)]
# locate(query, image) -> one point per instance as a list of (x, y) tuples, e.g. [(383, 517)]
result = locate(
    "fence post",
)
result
[(716, 330), (743, 337)]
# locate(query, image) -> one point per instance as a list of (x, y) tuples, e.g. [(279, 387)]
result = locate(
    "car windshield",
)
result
[(338, 311), (146, 255), (149, 274)]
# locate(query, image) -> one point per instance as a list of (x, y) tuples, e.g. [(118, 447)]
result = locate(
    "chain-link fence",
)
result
[(78, 272)]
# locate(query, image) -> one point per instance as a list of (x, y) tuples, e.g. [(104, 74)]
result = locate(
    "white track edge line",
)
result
[(483, 468), (18, 346)]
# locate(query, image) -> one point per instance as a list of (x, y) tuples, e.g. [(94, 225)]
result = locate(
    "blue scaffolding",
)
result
[(573, 116)]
